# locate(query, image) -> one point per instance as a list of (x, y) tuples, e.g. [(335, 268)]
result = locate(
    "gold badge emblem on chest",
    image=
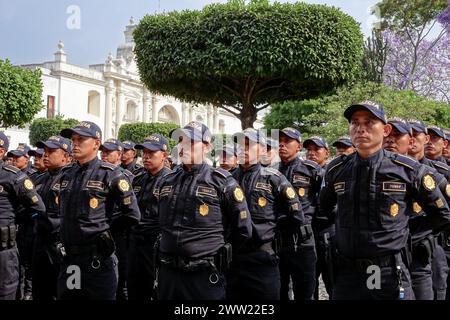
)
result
[(262, 202), (301, 192), (394, 209), (428, 182), (93, 203), (204, 210)]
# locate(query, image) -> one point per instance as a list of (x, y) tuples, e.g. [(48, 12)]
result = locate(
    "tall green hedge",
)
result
[(42, 128)]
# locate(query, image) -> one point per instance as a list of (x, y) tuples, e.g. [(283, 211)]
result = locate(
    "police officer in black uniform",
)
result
[(46, 262), (446, 151), (298, 254), (38, 163), (16, 192), (435, 147), (271, 199), (428, 256), (343, 145), (373, 189), (202, 210), (129, 158), (25, 236), (228, 158), (111, 152), (270, 157), (141, 254), (90, 189)]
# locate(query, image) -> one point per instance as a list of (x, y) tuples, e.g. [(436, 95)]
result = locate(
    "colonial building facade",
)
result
[(111, 94)]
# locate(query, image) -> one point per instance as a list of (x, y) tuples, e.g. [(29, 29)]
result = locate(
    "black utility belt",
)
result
[(187, 264), (361, 264), (8, 237), (428, 244), (267, 247), (102, 246)]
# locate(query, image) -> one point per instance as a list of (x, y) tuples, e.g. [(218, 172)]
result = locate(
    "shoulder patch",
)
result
[(221, 172), (108, 166), (273, 171), (405, 161), (11, 169), (311, 164), (441, 165)]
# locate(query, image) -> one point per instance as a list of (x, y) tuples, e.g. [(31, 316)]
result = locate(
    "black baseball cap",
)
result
[(4, 141), (21, 151), (85, 129), (112, 145), (367, 105), (195, 131), (39, 152), (56, 142), (229, 150), (447, 134), (292, 133), (128, 145), (437, 131), (251, 134), (155, 142), (318, 141), (418, 126), (401, 125), (344, 140)]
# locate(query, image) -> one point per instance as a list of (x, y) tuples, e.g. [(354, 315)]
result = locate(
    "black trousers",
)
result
[(421, 275), (9, 273), (202, 284), (323, 269), (254, 276), (351, 284), (141, 272), (121, 242), (45, 270), (301, 266), (98, 279), (440, 271), (25, 244)]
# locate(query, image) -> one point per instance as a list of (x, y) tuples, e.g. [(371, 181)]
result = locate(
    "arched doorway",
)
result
[(168, 114)]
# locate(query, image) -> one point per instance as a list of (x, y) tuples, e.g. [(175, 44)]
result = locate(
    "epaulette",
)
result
[(337, 162), (311, 164), (11, 169), (405, 161), (222, 172), (441, 165), (67, 166), (170, 172), (107, 165), (128, 173), (273, 171)]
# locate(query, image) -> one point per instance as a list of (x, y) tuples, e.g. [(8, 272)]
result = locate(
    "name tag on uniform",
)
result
[(156, 192), (298, 178), (136, 189), (206, 191), (56, 187), (165, 191), (64, 184), (263, 186), (92, 184), (394, 186), (339, 187)]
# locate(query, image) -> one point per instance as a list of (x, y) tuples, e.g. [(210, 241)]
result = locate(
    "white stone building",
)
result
[(111, 94)]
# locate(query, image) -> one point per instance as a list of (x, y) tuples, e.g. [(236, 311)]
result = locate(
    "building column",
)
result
[(191, 113), (209, 116), (154, 111), (216, 120), (120, 106), (108, 108), (146, 101), (184, 114)]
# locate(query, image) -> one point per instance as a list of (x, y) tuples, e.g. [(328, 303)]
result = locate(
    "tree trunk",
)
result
[(248, 116)]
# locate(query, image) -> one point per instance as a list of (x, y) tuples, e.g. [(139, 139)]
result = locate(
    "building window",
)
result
[(221, 126), (94, 103), (132, 112), (50, 107)]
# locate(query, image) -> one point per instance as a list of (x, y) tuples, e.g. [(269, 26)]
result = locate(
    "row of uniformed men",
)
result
[(264, 214)]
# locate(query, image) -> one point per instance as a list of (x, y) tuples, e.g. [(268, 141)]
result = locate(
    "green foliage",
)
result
[(324, 116), (400, 15), (20, 94), (42, 128), (245, 56), (137, 132)]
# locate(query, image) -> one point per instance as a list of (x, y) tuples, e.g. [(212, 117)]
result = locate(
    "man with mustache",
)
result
[(201, 211), (368, 194)]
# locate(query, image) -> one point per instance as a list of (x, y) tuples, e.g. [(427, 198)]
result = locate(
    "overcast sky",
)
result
[(30, 30)]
